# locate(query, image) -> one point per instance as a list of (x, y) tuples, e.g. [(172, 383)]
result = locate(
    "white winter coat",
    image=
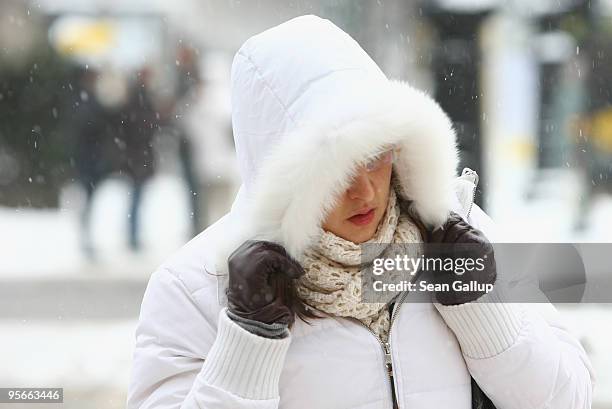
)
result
[(308, 103)]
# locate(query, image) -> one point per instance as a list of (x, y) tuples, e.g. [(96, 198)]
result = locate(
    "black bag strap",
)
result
[(479, 399)]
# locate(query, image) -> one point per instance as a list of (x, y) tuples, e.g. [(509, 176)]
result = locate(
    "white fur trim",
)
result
[(306, 172)]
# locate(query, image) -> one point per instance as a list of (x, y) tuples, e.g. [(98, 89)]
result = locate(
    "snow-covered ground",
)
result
[(90, 360), (544, 208), (591, 324), (46, 243)]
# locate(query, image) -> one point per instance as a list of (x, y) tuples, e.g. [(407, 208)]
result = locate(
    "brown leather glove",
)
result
[(260, 282), (458, 239)]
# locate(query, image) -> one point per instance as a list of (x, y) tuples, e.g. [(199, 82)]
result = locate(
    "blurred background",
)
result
[(116, 148)]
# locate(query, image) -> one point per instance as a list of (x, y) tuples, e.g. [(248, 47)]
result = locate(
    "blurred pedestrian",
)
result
[(138, 124), (187, 93), (96, 154)]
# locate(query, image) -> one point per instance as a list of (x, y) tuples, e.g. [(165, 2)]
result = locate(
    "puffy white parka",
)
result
[(308, 104)]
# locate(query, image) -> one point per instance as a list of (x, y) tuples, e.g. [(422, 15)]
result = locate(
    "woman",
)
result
[(334, 155)]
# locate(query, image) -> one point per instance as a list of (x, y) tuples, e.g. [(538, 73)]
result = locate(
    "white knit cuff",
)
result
[(245, 364), (484, 328)]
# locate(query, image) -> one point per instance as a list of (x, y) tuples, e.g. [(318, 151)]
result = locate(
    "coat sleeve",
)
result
[(521, 355), (182, 360)]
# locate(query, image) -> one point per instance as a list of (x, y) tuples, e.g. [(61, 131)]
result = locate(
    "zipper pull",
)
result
[(471, 175), (388, 363)]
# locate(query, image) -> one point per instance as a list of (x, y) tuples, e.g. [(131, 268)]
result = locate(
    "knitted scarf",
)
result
[(332, 279)]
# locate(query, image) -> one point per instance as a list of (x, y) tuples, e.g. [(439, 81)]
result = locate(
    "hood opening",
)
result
[(308, 105)]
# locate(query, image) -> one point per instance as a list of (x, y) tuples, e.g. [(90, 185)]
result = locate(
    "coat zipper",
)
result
[(386, 346), (470, 172)]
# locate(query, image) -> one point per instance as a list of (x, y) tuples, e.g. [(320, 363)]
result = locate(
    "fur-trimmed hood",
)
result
[(308, 105)]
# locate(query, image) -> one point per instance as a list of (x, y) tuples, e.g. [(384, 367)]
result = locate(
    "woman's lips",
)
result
[(362, 218)]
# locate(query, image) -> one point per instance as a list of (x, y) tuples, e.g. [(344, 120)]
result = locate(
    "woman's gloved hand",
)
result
[(260, 282), (458, 239)]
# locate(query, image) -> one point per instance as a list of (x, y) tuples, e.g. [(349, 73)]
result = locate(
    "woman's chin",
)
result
[(361, 234)]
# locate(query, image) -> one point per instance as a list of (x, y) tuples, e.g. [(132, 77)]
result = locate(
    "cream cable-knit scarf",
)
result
[(332, 279)]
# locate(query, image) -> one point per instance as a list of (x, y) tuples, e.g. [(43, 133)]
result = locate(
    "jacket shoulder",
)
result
[(177, 324), (181, 296), (194, 263)]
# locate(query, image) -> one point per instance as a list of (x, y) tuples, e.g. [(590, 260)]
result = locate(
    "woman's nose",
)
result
[(361, 187)]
